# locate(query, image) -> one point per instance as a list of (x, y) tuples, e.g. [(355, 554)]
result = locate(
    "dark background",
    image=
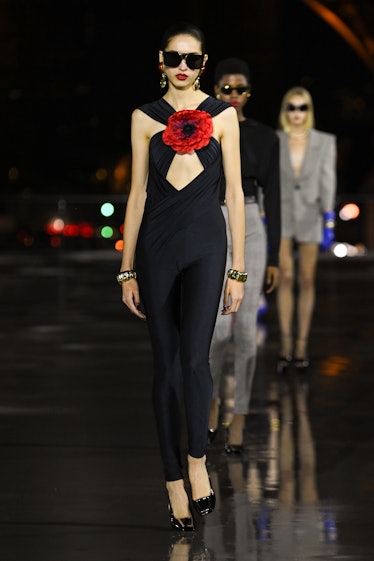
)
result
[(72, 72)]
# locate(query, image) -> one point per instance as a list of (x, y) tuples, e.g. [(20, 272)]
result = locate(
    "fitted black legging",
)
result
[(181, 302)]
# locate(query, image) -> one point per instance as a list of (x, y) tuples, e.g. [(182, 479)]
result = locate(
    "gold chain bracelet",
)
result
[(237, 275), (124, 276)]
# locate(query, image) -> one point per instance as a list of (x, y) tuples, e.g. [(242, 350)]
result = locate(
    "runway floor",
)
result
[(81, 478)]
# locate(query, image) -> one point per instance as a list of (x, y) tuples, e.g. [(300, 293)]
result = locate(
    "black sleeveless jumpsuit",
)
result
[(180, 262)]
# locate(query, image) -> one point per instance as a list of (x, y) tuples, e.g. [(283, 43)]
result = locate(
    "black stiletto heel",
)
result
[(181, 524), (234, 448), (205, 505), (301, 364), (301, 360), (212, 433), (284, 362), (286, 358)]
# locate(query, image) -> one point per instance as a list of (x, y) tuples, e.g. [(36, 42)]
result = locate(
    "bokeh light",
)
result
[(107, 209), (106, 232), (349, 211)]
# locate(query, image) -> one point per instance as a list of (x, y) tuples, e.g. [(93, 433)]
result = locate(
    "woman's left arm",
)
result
[(234, 197), (328, 186), (328, 179)]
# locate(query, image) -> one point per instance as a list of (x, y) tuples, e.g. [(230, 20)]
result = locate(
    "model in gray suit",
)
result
[(308, 189)]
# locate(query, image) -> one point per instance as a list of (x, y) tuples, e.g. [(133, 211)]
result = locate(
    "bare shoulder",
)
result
[(229, 114), (227, 121), (138, 116), (144, 124)]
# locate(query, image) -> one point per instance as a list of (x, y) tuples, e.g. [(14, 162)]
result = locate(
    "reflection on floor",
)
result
[(81, 473), (271, 491)]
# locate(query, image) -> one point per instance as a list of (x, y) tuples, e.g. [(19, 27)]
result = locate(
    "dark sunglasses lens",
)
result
[(194, 61), (227, 90), (173, 59), (291, 107)]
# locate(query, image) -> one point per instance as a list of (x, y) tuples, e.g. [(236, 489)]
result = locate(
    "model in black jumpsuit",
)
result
[(180, 262)]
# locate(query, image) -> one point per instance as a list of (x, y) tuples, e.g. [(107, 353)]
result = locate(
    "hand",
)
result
[(271, 279), (233, 296), (328, 234), (131, 297)]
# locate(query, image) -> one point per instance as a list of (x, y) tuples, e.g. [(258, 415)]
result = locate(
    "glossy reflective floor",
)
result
[(81, 478)]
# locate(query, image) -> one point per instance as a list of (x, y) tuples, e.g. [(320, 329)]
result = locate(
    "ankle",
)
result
[(178, 498), (235, 430), (198, 476), (286, 345), (301, 347), (196, 462), (238, 421), (214, 413)]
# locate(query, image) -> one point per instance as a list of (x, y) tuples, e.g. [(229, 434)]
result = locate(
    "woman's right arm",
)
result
[(135, 206)]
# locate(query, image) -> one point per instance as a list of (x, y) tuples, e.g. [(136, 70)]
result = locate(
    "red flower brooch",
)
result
[(188, 130)]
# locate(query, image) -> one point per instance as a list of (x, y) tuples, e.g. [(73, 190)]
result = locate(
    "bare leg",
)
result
[(178, 499), (308, 254), (214, 413), (236, 430), (199, 478), (285, 296)]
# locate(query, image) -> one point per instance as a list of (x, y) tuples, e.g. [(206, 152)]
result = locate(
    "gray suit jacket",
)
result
[(305, 198)]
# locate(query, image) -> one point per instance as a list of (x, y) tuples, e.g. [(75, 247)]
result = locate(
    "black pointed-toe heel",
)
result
[(236, 449), (301, 364), (181, 524), (205, 505), (212, 433), (284, 362)]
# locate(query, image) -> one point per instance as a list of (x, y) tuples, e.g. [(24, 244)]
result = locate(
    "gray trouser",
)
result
[(242, 326)]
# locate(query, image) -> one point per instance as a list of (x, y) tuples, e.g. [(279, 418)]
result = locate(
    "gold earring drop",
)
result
[(196, 83), (163, 80)]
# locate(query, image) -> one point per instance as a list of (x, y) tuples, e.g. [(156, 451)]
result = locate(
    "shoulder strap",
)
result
[(213, 106), (158, 110)]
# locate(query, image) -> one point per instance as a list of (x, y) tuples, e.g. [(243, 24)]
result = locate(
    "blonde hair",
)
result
[(283, 118)]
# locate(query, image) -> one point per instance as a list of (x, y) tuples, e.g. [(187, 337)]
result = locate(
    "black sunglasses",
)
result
[(174, 58), (291, 107), (227, 90)]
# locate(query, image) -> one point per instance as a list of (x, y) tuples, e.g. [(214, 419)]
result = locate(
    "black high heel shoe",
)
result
[(301, 364), (181, 524), (205, 505), (301, 361), (212, 433), (284, 362), (235, 449)]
